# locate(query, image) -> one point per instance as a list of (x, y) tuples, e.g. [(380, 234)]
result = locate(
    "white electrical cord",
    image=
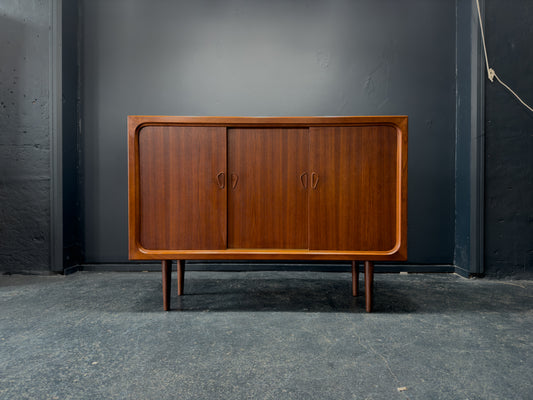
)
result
[(490, 72)]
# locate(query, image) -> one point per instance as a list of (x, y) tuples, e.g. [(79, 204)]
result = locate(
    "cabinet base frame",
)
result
[(166, 269)]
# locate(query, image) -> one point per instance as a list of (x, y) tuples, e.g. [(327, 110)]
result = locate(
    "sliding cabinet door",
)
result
[(353, 197), (267, 188), (182, 191)]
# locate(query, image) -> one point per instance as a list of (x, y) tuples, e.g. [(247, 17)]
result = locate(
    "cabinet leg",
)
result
[(181, 276), (355, 278), (166, 270), (369, 280)]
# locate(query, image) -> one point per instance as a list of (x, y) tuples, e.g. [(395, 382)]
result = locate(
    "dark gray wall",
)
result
[(509, 141), (24, 136), (250, 58), (268, 58)]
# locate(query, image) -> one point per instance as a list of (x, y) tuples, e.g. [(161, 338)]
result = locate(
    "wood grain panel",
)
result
[(182, 205), (268, 207), (355, 203)]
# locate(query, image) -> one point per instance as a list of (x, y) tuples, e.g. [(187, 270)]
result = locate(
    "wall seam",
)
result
[(55, 126), (477, 151)]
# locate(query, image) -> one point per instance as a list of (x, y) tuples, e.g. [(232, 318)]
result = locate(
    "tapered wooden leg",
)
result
[(166, 269), (181, 276), (355, 278), (369, 280)]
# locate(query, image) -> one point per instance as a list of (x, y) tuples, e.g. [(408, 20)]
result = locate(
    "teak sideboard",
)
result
[(276, 188)]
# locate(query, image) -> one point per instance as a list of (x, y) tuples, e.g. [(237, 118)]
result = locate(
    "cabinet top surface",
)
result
[(399, 120)]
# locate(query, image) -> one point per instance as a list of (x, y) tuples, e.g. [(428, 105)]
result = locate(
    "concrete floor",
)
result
[(264, 335)]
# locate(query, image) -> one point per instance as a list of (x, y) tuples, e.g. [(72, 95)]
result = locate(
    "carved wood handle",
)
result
[(303, 179), (234, 180), (221, 180), (314, 180)]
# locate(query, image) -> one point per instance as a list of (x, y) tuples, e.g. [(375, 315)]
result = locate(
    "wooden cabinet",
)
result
[(321, 188)]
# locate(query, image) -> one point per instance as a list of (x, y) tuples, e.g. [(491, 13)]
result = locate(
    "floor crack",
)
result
[(394, 376)]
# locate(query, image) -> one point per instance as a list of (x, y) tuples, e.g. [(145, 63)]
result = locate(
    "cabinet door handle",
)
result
[(303, 179), (234, 180), (314, 180), (221, 180)]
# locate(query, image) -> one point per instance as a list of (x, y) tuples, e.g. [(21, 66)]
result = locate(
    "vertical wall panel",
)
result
[(24, 135), (509, 141)]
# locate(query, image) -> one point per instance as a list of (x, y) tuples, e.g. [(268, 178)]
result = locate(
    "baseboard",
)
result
[(263, 266)]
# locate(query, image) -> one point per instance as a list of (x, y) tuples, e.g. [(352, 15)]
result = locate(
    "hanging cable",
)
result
[(490, 72)]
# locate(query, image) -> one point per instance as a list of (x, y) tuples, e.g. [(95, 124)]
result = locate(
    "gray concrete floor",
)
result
[(264, 335)]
